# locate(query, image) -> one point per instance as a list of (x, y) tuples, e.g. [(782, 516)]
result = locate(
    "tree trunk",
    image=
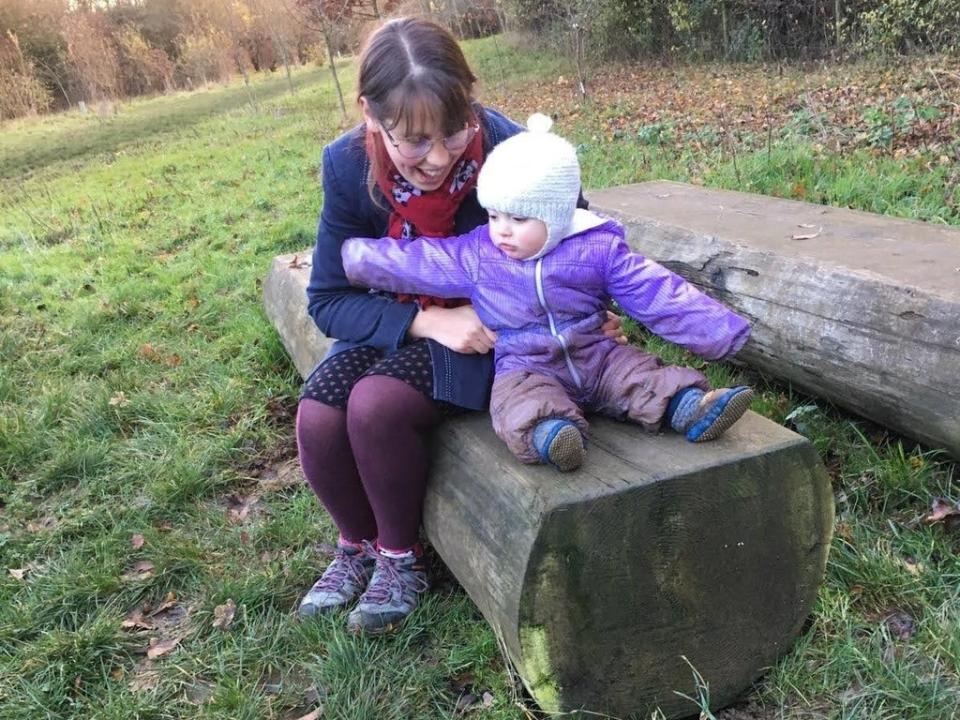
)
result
[(860, 309), (599, 582), (328, 39)]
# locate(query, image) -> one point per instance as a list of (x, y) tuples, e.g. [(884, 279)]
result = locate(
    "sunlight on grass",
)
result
[(143, 392)]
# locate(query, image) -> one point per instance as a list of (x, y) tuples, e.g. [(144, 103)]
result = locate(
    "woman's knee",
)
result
[(318, 420), (383, 404)]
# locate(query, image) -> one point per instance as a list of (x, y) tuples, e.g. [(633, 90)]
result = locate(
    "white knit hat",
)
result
[(533, 174)]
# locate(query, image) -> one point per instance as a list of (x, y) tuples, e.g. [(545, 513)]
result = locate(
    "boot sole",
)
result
[(733, 408), (566, 450)]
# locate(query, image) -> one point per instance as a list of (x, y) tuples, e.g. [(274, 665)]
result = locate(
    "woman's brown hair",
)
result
[(412, 71)]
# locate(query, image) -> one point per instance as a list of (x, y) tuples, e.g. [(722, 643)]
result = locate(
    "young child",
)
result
[(540, 275)]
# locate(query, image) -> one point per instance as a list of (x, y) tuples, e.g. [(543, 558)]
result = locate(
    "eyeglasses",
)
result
[(416, 150)]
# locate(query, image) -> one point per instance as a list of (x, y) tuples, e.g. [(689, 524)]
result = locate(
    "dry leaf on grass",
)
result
[(19, 573), (140, 571), (282, 475), (943, 511), (223, 615), (45, 523), (312, 715), (136, 542), (901, 625), (136, 621), (118, 400), (159, 648), (145, 678), (240, 507)]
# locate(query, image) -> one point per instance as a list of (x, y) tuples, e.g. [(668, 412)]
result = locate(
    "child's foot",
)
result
[(393, 593), (559, 443), (343, 580), (717, 411)]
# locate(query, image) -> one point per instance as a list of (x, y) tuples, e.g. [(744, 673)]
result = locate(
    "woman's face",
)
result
[(427, 172)]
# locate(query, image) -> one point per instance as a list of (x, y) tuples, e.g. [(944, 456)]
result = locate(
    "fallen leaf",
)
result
[(223, 615), (46, 523), (806, 225), (168, 602), (118, 400), (148, 352), (941, 510), (162, 647), (145, 678), (18, 573), (465, 702), (912, 566), (136, 621), (240, 507), (488, 699), (901, 625), (806, 236), (136, 542), (140, 571), (313, 715)]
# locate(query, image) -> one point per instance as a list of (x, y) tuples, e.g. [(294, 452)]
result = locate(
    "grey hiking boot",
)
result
[(393, 593), (343, 580)]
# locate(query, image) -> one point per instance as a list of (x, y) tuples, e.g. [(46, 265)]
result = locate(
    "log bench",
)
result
[(600, 582), (857, 308)]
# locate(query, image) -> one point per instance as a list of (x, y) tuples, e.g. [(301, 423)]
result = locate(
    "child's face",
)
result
[(517, 237)]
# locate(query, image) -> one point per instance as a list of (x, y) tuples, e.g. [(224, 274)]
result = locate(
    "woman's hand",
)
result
[(613, 328), (458, 328)]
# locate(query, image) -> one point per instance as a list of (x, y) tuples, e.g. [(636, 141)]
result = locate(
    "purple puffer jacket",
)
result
[(547, 313)]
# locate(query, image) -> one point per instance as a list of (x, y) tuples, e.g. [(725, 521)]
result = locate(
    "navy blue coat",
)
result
[(355, 316)]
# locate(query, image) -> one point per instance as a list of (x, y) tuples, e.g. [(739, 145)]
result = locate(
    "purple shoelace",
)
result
[(390, 574), (344, 565)]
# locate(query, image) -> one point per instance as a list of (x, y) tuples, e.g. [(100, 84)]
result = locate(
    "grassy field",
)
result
[(148, 483)]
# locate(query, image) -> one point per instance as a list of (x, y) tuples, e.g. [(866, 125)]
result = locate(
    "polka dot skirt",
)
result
[(332, 380)]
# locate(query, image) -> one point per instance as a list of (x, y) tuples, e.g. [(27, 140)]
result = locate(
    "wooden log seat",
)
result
[(857, 308), (600, 582)]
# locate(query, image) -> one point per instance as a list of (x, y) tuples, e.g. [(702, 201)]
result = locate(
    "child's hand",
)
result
[(458, 328), (613, 328)]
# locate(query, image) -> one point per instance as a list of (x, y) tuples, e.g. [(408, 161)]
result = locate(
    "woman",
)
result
[(400, 364)]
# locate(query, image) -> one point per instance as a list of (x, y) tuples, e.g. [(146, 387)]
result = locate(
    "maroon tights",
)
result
[(368, 463)]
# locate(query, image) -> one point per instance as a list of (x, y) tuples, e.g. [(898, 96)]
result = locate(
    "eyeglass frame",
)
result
[(475, 126)]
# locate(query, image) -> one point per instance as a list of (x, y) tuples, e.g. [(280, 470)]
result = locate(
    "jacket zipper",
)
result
[(562, 341)]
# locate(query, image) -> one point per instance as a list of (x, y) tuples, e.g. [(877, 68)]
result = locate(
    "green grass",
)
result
[(141, 386)]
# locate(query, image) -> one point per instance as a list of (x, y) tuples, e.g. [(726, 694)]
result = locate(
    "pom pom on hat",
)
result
[(539, 123), (533, 174)]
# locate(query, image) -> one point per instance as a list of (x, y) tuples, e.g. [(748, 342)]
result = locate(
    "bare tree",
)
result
[(326, 15)]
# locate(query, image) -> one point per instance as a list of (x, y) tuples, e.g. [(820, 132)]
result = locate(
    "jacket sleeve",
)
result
[(671, 307), (444, 267), (339, 310)]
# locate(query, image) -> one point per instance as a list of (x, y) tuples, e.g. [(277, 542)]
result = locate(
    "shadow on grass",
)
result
[(30, 148)]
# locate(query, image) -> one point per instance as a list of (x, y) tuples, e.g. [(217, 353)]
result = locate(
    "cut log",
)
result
[(860, 309), (601, 582)]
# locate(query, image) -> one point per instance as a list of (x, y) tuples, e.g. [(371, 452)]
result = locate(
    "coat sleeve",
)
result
[(444, 267), (340, 310), (671, 307)]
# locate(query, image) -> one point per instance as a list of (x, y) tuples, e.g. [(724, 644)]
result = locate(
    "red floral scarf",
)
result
[(418, 213)]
